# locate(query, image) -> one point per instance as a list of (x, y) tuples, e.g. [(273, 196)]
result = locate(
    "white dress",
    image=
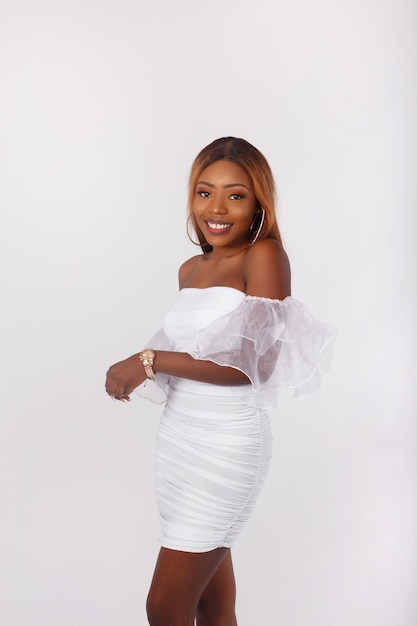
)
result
[(214, 441)]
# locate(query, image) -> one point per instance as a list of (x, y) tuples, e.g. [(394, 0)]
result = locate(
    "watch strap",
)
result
[(147, 358)]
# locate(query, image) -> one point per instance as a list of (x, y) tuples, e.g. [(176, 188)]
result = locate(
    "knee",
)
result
[(214, 608), (163, 610), (156, 610), (208, 606)]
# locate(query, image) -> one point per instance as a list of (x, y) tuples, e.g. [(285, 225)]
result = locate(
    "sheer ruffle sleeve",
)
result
[(156, 389), (276, 343)]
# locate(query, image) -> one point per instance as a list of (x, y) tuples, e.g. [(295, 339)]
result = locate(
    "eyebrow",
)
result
[(204, 182)]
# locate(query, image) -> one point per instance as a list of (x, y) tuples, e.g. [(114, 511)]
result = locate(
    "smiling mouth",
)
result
[(217, 226)]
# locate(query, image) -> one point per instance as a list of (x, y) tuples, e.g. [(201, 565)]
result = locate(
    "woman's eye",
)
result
[(203, 194), (236, 196)]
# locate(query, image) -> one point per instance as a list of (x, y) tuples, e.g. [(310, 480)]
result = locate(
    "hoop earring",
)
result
[(258, 230), (205, 247)]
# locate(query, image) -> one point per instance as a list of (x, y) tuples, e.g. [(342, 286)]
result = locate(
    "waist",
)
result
[(200, 388), (196, 391)]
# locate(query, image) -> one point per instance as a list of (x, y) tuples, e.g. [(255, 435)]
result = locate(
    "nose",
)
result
[(217, 206)]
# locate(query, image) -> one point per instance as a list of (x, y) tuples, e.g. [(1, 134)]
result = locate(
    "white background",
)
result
[(103, 107)]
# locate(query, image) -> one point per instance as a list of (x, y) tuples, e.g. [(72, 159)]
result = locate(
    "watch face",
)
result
[(147, 357)]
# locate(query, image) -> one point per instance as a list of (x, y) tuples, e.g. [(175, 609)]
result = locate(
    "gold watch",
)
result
[(147, 358)]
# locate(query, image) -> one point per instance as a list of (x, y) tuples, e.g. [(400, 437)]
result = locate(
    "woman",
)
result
[(232, 337)]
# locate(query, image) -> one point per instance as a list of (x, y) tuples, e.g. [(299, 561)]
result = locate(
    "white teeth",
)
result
[(217, 226)]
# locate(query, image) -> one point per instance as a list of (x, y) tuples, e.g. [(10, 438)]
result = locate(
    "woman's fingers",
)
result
[(123, 377), (115, 385)]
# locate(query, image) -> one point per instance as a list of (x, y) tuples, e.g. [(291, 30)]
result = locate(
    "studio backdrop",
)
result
[(104, 106)]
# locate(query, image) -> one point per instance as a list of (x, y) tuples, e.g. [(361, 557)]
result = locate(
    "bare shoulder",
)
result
[(187, 268), (267, 270)]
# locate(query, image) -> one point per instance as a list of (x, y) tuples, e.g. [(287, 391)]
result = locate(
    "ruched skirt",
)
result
[(213, 453)]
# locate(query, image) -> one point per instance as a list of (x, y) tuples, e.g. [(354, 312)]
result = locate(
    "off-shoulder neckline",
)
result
[(286, 299), (213, 287)]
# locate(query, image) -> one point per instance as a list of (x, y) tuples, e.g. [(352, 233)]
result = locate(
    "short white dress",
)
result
[(214, 441)]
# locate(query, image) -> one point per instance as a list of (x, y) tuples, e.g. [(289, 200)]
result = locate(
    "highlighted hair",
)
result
[(253, 162)]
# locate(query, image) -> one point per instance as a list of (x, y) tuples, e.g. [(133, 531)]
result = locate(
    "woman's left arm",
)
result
[(267, 271), (123, 377)]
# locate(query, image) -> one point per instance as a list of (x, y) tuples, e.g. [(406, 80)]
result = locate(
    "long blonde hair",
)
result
[(253, 162)]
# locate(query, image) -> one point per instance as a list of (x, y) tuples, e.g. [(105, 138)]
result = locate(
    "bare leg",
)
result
[(179, 581), (217, 603)]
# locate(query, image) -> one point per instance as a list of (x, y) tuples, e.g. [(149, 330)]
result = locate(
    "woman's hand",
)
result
[(123, 377)]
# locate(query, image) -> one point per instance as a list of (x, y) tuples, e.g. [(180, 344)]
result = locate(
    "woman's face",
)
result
[(224, 204)]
